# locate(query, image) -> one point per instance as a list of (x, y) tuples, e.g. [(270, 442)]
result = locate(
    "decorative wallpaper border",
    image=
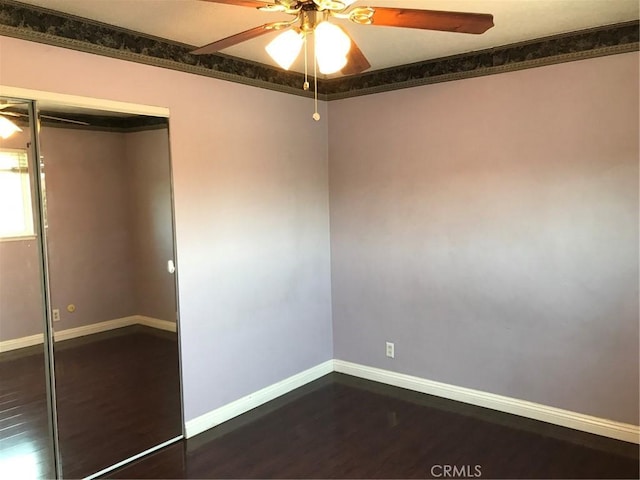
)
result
[(596, 42), (41, 25)]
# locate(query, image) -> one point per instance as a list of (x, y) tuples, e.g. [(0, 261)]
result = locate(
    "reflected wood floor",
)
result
[(26, 448), (117, 395), (343, 427)]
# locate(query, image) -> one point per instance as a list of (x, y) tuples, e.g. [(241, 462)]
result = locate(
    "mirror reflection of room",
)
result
[(26, 441), (109, 238), (106, 185)]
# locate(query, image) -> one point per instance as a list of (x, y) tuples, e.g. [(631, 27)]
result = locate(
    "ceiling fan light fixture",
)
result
[(333, 4), (331, 39), (284, 49), (332, 45), (329, 65), (7, 127)]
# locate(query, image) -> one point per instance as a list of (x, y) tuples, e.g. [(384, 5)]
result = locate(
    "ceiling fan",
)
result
[(13, 109), (8, 127), (335, 50)]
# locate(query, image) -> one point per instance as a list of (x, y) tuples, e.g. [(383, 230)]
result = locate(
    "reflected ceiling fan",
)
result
[(335, 50), (9, 127), (8, 109)]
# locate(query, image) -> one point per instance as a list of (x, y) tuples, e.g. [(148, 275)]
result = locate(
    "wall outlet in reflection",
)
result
[(391, 350), (56, 315)]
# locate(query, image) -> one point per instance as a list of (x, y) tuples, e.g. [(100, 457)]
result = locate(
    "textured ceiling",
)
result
[(197, 23)]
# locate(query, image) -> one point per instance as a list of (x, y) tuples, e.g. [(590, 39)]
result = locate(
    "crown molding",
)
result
[(46, 26)]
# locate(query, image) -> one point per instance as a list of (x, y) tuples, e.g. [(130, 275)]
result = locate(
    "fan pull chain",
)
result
[(316, 115), (305, 85)]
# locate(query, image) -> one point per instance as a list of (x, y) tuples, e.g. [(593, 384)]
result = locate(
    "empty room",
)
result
[(319, 239)]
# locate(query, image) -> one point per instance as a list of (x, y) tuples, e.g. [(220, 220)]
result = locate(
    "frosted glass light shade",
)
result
[(332, 46), (284, 49), (331, 64), (331, 39), (7, 127)]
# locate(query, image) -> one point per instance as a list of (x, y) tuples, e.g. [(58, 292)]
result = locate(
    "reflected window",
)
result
[(16, 218)]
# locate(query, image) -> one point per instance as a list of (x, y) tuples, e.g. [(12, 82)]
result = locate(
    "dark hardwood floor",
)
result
[(117, 395), (343, 427)]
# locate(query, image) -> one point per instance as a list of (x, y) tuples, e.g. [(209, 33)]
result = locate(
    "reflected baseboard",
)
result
[(155, 323), (100, 327), (22, 342), (92, 329), (69, 333)]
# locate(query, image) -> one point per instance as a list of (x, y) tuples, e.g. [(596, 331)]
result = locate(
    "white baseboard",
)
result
[(253, 400), (91, 329), (22, 342), (565, 418)]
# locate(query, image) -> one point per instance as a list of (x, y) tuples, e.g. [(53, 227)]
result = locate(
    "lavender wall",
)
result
[(251, 200), (151, 223), (489, 227)]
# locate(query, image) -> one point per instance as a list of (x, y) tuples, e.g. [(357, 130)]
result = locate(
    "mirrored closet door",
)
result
[(26, 436), (108, 246)]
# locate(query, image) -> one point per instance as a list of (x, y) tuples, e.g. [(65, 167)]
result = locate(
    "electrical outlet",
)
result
[(391, 353), (56, 315)]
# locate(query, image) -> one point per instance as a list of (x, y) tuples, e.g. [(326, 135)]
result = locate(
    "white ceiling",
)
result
[(198, 23)]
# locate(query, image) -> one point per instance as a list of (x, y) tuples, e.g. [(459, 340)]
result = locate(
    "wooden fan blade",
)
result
[(241, 3), (67, 120), (356, 61), (235, 39), (60, 119), (433, 20)]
